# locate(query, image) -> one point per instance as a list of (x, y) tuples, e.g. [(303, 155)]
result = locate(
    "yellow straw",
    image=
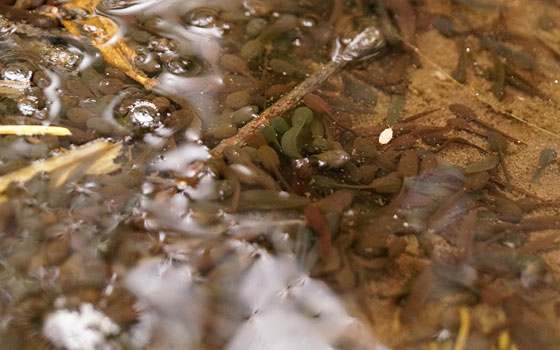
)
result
[(33, 130), (463, 329)]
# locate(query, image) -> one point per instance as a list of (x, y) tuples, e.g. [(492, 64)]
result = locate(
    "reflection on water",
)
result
[(308, 233), (251, 300)]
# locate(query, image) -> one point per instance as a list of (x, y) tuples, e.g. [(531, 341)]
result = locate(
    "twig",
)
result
[(369, 41), (280, 107)]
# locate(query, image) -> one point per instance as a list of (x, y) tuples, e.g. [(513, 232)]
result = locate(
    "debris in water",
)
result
[(33, 130), (386, 136)]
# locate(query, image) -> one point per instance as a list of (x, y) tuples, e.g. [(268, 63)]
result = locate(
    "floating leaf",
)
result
[(99, 155), (33, 130)]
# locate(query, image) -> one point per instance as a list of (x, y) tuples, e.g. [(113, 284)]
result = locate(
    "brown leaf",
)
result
[(101, 31)]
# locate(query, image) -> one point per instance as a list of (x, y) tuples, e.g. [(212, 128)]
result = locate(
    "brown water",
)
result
[(169, 219)]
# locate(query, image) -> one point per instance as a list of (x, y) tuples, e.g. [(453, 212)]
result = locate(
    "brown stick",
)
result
[(369, 41), (281, 106)]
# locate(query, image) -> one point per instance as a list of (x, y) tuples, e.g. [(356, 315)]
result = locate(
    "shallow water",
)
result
[(393, 203)]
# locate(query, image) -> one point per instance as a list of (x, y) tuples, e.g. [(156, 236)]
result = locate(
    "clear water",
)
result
[(430, 245)]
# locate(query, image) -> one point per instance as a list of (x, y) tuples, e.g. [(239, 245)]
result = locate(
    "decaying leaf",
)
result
[(93, 158), (33, 130), (102, 31)]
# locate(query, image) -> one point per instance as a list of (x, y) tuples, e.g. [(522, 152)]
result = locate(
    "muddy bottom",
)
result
[(279, 175)]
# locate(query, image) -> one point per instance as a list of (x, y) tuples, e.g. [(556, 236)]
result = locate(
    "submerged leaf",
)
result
[(102, 152), (102, 31)]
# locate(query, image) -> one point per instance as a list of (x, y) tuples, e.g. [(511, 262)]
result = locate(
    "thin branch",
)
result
[(368, 42)]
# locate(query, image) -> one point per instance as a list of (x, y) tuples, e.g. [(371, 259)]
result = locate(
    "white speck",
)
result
[(443, 335), (147, 188), (299, 163), (85, 329), (440, 75), (406, 224), (395, 217), (111, 286), (60, 302), (307, 22), (386, 136)]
